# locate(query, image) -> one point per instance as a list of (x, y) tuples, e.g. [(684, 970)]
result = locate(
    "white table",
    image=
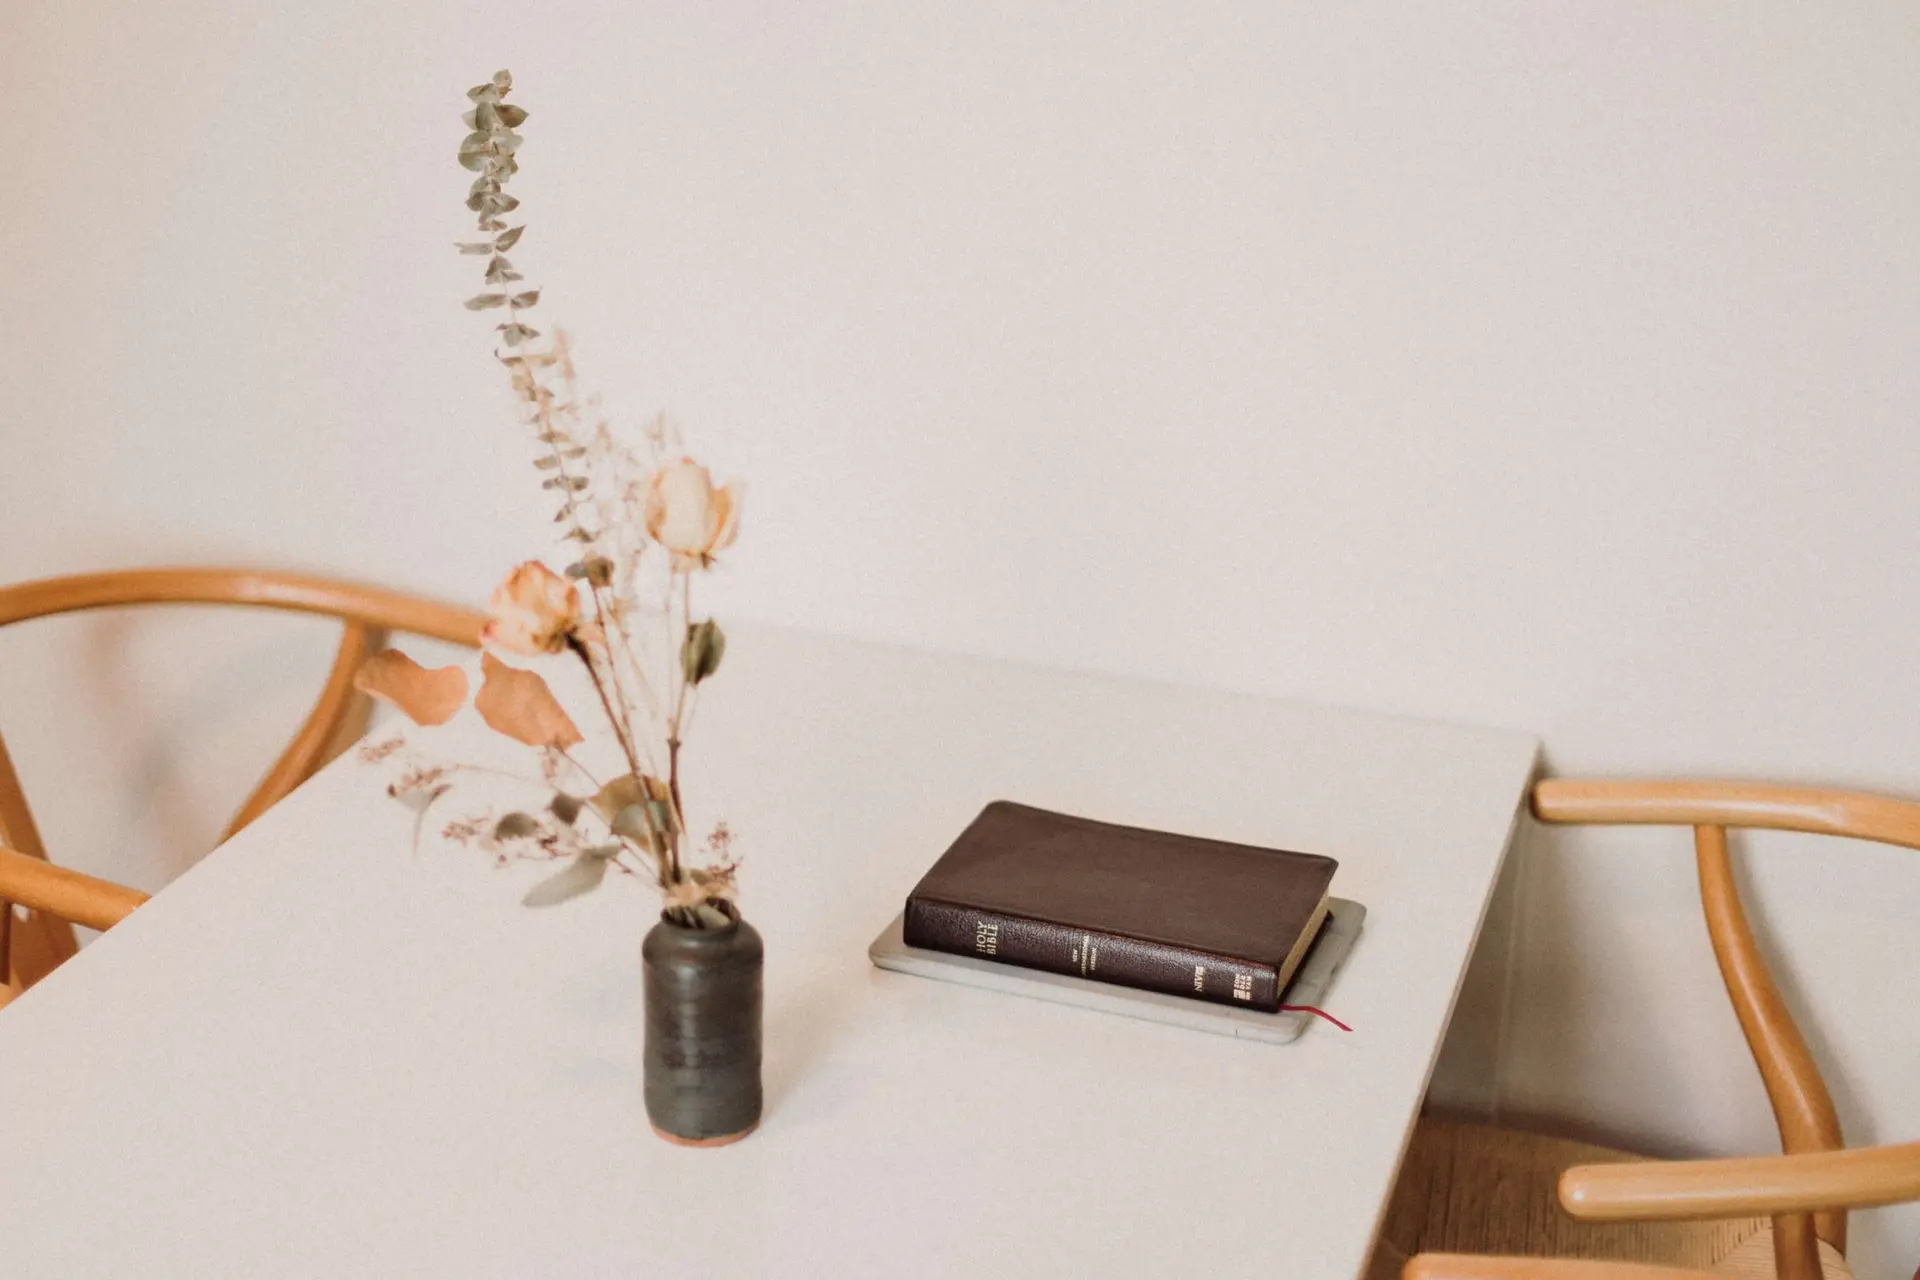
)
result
[(319, 1055)]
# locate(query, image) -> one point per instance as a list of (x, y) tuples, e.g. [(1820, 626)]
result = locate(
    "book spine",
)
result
[(1082, 953)]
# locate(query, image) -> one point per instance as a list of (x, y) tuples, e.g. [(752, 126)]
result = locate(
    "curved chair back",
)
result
[(43, 939), (1816, 1173)]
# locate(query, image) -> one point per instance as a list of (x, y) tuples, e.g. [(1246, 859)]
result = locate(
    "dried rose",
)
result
[(426, 697), (533, 611), (519, 704), (688, 516)]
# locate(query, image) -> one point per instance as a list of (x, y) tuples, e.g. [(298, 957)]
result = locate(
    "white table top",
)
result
[(319, 1055)]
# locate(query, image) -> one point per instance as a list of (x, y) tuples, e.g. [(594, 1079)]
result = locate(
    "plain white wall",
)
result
[(1546, 366)]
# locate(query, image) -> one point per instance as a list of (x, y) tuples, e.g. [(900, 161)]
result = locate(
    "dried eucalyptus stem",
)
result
[(623, 513)]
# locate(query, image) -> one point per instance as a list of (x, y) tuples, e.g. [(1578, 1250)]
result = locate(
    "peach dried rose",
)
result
[(688, 516), (426, 697), (519, 704), (533, 611)]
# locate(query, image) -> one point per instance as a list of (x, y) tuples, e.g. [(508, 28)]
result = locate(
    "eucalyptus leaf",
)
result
[(582, 875), (548, 463), (515, 826), (660, 813), (499, 269), (474, 247), (512, 116), (486, 117), (503, 80), (486, 301), (597, 570), (484, 93), (565, 807), (701, 652), (515, 334), (527, 299), (631, 822), (419, 798), (508, 239)]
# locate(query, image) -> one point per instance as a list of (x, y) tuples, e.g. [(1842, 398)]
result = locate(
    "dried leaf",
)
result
[(425, 697), (419, 800), (509, 238), (515, 334), (486, 301), (475, 246), (503, 80), (597, 570), (702, 650), (627, 790), (515, 826), (498, 269), (582, 875), (565, 807), (527, 299), (632, 823), (518, 704), (512, 117), (547, 462)]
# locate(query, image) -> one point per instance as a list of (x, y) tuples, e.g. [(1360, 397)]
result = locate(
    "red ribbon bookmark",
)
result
[(1322, 1013)]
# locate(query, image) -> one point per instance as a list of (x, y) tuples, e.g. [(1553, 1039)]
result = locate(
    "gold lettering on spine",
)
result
[(986, 938), (1242, 986), (1199, 977)]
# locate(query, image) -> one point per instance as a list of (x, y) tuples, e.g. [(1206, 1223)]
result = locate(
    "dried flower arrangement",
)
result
[(643, 526)]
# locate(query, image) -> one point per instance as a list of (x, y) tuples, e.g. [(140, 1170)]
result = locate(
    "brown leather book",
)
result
[(1192, 917)]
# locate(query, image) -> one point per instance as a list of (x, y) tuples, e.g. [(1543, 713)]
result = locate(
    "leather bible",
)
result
[(1179, 914)]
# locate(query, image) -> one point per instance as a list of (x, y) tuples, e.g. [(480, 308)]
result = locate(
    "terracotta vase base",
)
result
[(724, 1140)]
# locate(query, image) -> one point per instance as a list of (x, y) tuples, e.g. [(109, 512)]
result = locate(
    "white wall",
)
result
[(1548, 366)]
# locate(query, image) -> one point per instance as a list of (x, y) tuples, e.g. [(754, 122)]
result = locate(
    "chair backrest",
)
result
[(31, 947), (1802, 1107)]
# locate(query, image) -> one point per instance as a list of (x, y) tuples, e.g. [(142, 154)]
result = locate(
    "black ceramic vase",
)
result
[(703, 1032)]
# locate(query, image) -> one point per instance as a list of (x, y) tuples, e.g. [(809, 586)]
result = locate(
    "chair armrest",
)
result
[(1683, 1190), (1689, 803), (83, 899), (1460, 1266)]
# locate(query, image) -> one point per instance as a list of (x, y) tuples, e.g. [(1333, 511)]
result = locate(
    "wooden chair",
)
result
[(1706, 1206), (56, 899)]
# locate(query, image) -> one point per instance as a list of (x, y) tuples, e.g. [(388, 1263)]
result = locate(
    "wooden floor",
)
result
[(1467, 1188)]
